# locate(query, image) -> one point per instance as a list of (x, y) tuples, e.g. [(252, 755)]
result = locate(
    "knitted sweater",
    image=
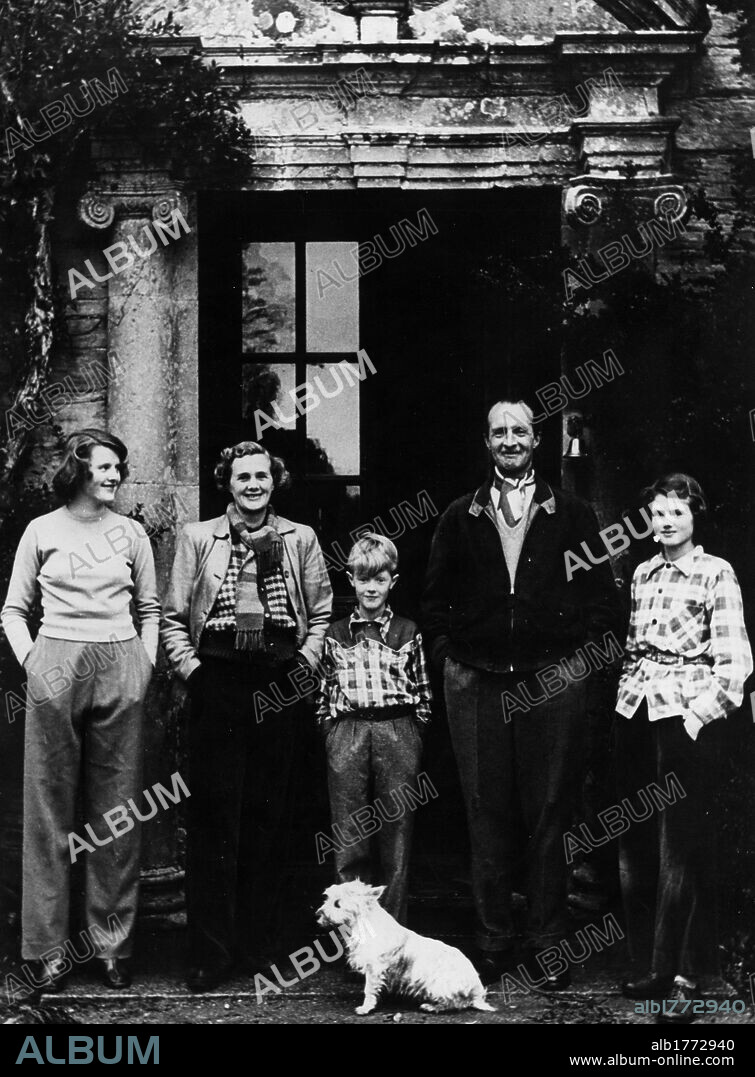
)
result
[(88, 573)]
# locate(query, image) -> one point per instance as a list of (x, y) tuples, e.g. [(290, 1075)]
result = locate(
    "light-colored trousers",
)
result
[(83, 723), (368, 762)]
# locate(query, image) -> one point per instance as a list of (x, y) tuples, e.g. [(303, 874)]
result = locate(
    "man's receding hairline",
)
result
[(529, 413)]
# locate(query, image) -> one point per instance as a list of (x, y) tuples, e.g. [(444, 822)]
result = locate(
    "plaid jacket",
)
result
[(360, 672), (687, 651)]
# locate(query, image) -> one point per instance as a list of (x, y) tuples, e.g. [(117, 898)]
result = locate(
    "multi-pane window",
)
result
[(301, 369)]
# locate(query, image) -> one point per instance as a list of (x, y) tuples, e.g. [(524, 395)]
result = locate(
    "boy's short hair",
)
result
[(371, 555)]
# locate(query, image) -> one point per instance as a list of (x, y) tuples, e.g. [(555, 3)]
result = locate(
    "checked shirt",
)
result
[(687, 650), (369, 672)]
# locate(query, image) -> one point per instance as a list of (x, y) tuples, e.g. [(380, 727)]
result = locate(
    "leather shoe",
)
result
[(677, 1006), (491, 965), (205, 977), (650, 986), (114, 973)]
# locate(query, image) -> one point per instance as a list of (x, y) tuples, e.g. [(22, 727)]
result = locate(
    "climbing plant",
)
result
[(70, 74)]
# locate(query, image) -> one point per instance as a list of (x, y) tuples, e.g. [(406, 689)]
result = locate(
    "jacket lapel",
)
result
[(287, 532)]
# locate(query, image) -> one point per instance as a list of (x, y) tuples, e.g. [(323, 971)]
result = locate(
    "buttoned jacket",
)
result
[(203, 554)]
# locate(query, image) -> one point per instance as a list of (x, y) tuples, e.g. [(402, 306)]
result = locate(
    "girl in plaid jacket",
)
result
[(686, 660)]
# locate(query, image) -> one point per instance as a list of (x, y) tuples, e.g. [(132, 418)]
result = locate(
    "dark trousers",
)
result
[(368, 762), (84, 730), (668, 861), (532, 764), (240, 811)]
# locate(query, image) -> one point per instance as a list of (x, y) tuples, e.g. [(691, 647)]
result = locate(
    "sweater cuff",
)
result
[(150, 639), (19, 638)]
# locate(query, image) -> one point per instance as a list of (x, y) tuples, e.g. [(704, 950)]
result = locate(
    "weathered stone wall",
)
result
[(439, 119)]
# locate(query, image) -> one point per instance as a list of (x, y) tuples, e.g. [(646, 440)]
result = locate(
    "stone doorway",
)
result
[(430, 299), (448, 308)]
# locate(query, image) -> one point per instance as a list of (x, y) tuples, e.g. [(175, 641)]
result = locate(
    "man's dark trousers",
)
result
[(508, 758)]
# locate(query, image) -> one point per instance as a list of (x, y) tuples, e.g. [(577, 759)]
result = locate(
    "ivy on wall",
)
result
[(72, 74)]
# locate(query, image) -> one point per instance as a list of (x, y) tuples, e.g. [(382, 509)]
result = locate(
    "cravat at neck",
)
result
[(512, 496)]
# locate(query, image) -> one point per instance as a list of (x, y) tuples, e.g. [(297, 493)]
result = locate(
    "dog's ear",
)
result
[(377, 891)]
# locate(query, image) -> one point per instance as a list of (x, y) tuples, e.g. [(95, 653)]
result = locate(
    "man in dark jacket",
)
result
[(504, 619)]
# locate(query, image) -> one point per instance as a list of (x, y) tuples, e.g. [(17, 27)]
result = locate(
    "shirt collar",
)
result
[(684, 564), (383, 620), (542, 496), (525, 480)]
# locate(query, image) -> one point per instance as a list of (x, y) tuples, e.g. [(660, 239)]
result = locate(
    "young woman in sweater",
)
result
[(87, 675)]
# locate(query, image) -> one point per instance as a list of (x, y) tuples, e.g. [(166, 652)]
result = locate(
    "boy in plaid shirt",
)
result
[(374, 704)]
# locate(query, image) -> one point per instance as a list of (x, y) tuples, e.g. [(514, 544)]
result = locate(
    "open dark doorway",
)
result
[(426, 297), (424, 283)]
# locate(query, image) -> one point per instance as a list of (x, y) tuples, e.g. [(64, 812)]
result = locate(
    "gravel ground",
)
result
[(328, 997)]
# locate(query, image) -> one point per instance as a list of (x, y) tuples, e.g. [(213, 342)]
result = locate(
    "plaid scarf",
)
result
[(251, 600)]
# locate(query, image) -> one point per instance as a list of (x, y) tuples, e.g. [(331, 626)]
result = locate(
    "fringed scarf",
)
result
[(251, 599)]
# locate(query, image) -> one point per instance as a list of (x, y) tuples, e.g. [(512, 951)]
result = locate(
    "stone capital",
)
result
[(99, 207), (589, 200)]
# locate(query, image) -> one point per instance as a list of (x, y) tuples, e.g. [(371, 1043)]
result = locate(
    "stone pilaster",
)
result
[(152, 330), (149, 243)]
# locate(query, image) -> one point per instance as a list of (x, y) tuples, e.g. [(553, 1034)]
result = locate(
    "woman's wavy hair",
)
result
[(224, 466), (74, 469), (682, 486)]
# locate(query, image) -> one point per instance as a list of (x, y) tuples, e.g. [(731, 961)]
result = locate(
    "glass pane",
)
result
[(333, 424), (267, 402), (332, 297), (268, 290)]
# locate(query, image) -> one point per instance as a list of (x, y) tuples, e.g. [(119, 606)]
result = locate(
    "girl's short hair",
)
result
[(371, 555), (74, 469), (679, 485), (224, 466)]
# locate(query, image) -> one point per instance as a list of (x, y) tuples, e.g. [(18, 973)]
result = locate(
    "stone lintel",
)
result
[(623, 43), (595, 45)]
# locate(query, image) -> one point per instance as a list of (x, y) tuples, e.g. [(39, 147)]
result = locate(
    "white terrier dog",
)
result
[(395, 959)]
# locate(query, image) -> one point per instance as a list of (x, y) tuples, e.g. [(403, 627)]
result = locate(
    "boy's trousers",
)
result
[(83, 722), (369, 760)]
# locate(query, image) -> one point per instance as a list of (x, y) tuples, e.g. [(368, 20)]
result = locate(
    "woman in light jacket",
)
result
[(686, 661), (244, 622), (87, 675)]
